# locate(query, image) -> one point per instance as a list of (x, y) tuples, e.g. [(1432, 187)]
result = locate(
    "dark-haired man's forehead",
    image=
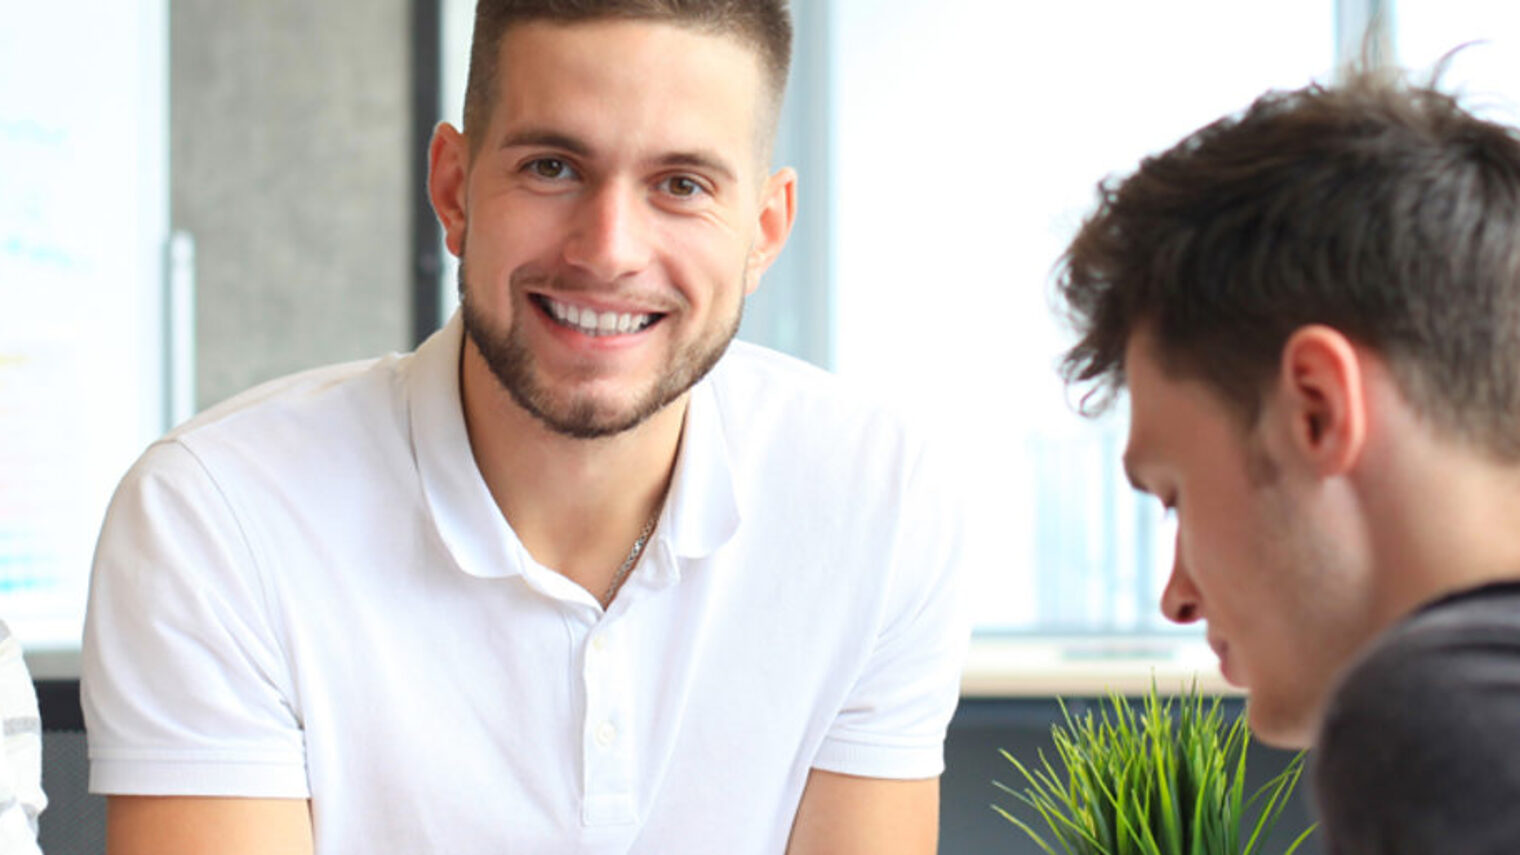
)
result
[(521, 50), (774, 78), (632, 90), (1144, 382)]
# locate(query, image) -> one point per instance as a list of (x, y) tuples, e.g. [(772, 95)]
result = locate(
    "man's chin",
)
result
[(595, 414), (587, 420), (1277, 728), (584, 407)]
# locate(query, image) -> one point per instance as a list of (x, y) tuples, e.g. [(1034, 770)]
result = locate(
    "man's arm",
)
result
[(848, 815), (175, 825), (184, 685)]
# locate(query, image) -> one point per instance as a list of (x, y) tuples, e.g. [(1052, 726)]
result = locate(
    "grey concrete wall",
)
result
[(290, 167)]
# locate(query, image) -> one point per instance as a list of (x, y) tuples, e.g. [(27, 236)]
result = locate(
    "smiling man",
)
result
[(1315, 308), (579, 575)]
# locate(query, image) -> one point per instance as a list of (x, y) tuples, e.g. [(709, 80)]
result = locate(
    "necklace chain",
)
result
[(632, 559)]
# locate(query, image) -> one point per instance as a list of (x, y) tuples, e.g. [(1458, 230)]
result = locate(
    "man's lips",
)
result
[(591, 321), (1222, 651)]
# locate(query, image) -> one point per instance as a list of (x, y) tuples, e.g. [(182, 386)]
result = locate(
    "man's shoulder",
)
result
[(1464, 642), (313, 390), (767, 400), (1464, 628), (756, 380), (1445, 677), (1428, 713), (291, 430)]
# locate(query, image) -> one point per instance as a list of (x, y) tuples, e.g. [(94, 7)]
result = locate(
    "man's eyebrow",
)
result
[(537, 137), (701, 160), (533, 137)]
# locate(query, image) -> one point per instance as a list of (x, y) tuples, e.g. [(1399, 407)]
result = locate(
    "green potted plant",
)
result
[(1165, 779)]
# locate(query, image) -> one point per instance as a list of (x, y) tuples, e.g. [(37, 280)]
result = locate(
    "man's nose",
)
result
[(610, 233), (1180, 598)]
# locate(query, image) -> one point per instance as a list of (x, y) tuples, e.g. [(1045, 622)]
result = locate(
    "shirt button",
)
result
[(599, 643), (605, 734)]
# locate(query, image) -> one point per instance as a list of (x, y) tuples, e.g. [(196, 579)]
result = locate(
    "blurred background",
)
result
[(199, 195)]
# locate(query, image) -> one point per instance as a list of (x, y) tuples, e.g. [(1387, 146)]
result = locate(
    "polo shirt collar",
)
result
[(464, 513), (702, 508), (701, 512)]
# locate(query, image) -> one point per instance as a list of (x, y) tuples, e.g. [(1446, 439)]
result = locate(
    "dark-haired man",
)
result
[(576, 576), (1315, 308)]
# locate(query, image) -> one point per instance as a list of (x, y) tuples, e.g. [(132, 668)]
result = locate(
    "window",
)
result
[(969, 137), (1487, 71), (84, 210)]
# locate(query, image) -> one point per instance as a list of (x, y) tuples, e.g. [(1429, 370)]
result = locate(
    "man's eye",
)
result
[(550, 167), (683, 187)]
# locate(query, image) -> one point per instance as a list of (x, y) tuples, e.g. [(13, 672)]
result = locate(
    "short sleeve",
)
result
[(894, 720), (184, 685), (1420, 750)]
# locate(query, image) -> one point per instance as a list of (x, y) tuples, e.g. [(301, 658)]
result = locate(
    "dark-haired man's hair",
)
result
[(764, 25), (1377, 207)]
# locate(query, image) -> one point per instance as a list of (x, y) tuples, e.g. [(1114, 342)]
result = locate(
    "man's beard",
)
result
[(580, 416)]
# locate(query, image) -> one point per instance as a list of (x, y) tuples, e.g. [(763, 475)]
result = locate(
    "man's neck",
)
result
[(1448, 522), (577, 505)]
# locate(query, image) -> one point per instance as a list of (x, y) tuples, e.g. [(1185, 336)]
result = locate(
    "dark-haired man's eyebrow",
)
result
[(701, 161), (532, 137), (543, 138)]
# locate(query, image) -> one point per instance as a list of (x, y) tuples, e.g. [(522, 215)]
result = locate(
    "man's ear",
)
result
[(448, 173), (1322, 394), (778, 210)]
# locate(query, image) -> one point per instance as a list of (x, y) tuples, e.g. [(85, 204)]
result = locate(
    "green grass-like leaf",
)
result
[(1168, 778)]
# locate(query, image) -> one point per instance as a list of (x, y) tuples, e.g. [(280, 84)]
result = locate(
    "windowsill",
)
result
[(52, 663), (1014, 667), (997, 666)]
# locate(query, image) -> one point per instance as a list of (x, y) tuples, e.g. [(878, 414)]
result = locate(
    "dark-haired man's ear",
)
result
[(1321, 391), (448, 169), (778, 210)]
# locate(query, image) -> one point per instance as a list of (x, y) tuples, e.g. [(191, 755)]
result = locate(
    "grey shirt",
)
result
[(1420, 750)]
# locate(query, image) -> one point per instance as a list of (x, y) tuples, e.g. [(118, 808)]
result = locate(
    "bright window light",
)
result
[(969, 139), (1486, 72)]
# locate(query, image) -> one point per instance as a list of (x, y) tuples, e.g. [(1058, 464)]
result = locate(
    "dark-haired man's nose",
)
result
[(610, 234), (1180, 598)]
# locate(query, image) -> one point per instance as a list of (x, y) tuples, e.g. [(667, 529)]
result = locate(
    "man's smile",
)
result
[(592, 322)]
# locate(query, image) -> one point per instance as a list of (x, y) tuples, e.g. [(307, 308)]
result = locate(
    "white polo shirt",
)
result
[(308, 592)]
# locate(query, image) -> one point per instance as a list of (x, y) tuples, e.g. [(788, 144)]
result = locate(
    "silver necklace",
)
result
[(632, 559)]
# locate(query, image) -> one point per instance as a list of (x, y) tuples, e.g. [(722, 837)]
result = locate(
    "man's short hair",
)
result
[(764, 25), (1377, 207)]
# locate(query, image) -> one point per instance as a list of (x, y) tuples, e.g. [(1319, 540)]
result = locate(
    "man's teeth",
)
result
[(592, 322)]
